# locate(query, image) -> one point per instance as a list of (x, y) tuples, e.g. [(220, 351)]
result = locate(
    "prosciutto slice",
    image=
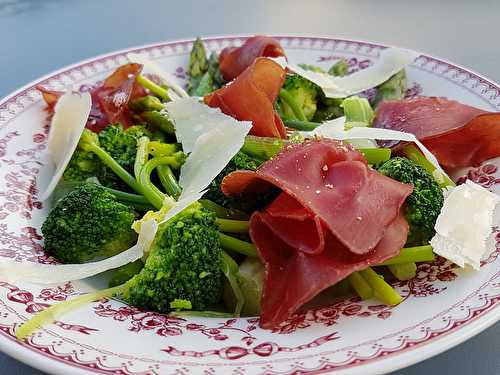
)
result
[(294, 277), (333, 181), (250, 97), (457, 134), (109, 99), (234, 60), (294, 225), (334, 216)]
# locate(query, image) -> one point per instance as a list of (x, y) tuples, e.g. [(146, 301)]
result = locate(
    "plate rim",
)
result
[(402, 358)]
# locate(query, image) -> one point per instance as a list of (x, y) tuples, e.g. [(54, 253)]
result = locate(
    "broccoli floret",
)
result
[(424, 204), (298, 98), (184, 263), (87, 224), (239, 161), (120, 144)]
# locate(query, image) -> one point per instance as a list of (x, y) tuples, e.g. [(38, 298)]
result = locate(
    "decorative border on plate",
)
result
[(481, 87)]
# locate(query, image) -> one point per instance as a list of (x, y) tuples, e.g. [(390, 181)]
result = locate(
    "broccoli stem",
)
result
[(151, 192), (412, 153), (135, 200), (376, 156), (141, 156), (411, 255), (53, 312), (153, 87), (204, 314), (238, 246), (168, 181), (359, 284), (403, 271), (146, 103), (287, 98), (232, 226), (231, 271), (301, 125), (381, 289), (262, 147), (114, 166), (158, 120), (223, 212)]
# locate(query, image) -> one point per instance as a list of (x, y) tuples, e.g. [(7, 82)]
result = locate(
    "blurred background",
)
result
[(39, 36)]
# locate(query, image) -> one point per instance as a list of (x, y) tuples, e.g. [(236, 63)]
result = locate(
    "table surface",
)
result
[(41, 36)]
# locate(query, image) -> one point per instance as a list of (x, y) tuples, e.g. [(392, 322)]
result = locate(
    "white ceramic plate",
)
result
[(443, 306)]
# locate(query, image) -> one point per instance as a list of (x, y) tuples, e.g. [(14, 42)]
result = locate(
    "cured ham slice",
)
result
[(234, 60), (294, 277), (457, 134), (250, 97), (109, 99), (334, 216), (291, 222), (477, 141), (333, 181)]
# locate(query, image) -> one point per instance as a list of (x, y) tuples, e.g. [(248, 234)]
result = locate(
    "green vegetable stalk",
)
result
[(232, 226), (383, 291), (411, 255), (50, 314), (359, 284), (155, 89), (403, 271), (238, 246)]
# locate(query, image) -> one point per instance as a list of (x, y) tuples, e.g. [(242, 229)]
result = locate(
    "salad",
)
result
[(261, 186)]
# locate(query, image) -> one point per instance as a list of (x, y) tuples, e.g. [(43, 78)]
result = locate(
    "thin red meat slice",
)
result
[(250, 97), (109, 99), (477, 141), (234, 60), (424, 117), (294, 277), (49, 96), (332, 181), (291, 222), (286, 206), (457, 134), (116, 92)]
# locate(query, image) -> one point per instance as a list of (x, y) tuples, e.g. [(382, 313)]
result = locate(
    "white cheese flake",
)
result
[(391, 61), (52, 274), (211, 137), (70, 117), (465, 224), (152, 67)]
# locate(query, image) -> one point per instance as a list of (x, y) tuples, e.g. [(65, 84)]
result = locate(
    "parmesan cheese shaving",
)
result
[(391, 61), (192, 119), (465, 224), (70, 117), (51, 274), (211, 137), (152, 67)]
